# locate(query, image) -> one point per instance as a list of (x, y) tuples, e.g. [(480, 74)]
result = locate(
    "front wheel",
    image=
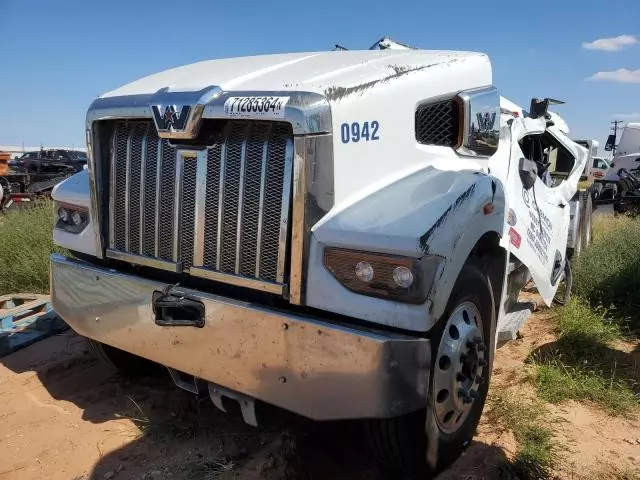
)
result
[(429, 440)]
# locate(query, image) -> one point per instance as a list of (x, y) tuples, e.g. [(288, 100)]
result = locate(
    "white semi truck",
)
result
[(340, 234)]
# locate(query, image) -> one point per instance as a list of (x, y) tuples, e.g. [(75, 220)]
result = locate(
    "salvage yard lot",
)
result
[(563, 401)]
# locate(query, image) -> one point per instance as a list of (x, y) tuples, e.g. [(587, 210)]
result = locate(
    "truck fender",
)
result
[(429, 212), (474, 221)]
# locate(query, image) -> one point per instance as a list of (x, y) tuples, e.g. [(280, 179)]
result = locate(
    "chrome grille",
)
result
[(218, 212)]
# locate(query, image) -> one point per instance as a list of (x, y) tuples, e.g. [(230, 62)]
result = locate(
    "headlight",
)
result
[(71, 218), (393, 277)]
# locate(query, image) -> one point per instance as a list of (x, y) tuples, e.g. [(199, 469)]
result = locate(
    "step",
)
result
[(513, 321)]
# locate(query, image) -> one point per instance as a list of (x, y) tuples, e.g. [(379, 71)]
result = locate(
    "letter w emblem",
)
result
[(486, 120), (170, 119)]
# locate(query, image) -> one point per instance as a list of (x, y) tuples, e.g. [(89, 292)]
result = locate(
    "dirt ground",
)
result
[(64, 415)]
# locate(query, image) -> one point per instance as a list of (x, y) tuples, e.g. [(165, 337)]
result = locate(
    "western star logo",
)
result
[(170, 119), (486, 120)]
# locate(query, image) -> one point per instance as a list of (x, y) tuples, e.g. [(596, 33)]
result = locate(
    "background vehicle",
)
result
[(36, 173), (51, 161), (599, 168), (619, 185), (342, 234)]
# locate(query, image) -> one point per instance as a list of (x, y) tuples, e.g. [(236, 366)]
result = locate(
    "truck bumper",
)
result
[(310, 366)]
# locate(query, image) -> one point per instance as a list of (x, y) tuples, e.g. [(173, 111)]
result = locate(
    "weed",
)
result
[(582, 365), (221, 469), (528, 420), (608, 272), (557, 382), (25, 245), (579, 318), (160, 427)]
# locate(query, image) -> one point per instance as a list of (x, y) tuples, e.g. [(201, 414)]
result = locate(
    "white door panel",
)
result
[(537, 225)]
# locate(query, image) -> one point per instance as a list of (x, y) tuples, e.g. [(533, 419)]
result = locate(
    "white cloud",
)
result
[(627, 116), (613, 44), (621, 76)]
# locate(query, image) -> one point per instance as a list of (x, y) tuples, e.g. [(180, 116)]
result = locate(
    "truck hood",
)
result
[(313, 71)]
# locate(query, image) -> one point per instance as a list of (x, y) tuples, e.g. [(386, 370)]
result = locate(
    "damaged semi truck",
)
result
[(340, 234)]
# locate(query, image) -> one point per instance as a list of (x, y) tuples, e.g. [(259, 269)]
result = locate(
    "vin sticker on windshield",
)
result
[(271, 107)]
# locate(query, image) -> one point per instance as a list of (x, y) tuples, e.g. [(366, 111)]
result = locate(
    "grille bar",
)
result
[(219, 212), (263, 180), (177, 196), (200, 208), (143, 176), (127, 196), (243, 158), (156, 220)]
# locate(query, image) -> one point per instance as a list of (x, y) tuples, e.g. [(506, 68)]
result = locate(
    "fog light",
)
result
[(63, 214), (403, 277), (72, 219), (76, 218), (364, 271)]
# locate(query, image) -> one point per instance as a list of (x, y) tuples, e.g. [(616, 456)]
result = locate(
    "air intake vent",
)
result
[(438, 123)]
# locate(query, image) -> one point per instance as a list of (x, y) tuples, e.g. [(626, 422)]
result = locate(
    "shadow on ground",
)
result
[(184, 437)]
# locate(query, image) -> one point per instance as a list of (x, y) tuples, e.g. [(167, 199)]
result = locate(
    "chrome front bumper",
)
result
[(309, 366)]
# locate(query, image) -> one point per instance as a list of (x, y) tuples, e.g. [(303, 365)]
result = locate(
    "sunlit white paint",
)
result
[(391, 195)]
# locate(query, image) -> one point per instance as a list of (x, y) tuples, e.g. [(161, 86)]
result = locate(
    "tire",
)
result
[(596, 191), (420, 443), (563, 294), (126, 363), (585, 220)]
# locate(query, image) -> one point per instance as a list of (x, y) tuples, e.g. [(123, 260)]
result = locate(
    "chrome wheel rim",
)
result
[(459, 368)]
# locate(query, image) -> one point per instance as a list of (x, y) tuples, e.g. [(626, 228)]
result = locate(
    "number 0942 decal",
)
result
[(356, 131)]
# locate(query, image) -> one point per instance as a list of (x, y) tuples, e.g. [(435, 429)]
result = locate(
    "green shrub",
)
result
[(25, 245), (579, 319), (557, 382), (584, 363), (607, 274)]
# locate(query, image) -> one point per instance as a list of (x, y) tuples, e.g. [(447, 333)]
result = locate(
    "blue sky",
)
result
[(57, 56)]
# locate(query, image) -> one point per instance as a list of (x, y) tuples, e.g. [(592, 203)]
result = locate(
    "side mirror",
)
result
[(528, 173)]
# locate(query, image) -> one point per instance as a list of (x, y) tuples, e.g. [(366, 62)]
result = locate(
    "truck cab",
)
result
[(340, 234)]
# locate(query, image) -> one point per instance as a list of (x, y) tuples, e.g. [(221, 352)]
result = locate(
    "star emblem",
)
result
[(169, 115)]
